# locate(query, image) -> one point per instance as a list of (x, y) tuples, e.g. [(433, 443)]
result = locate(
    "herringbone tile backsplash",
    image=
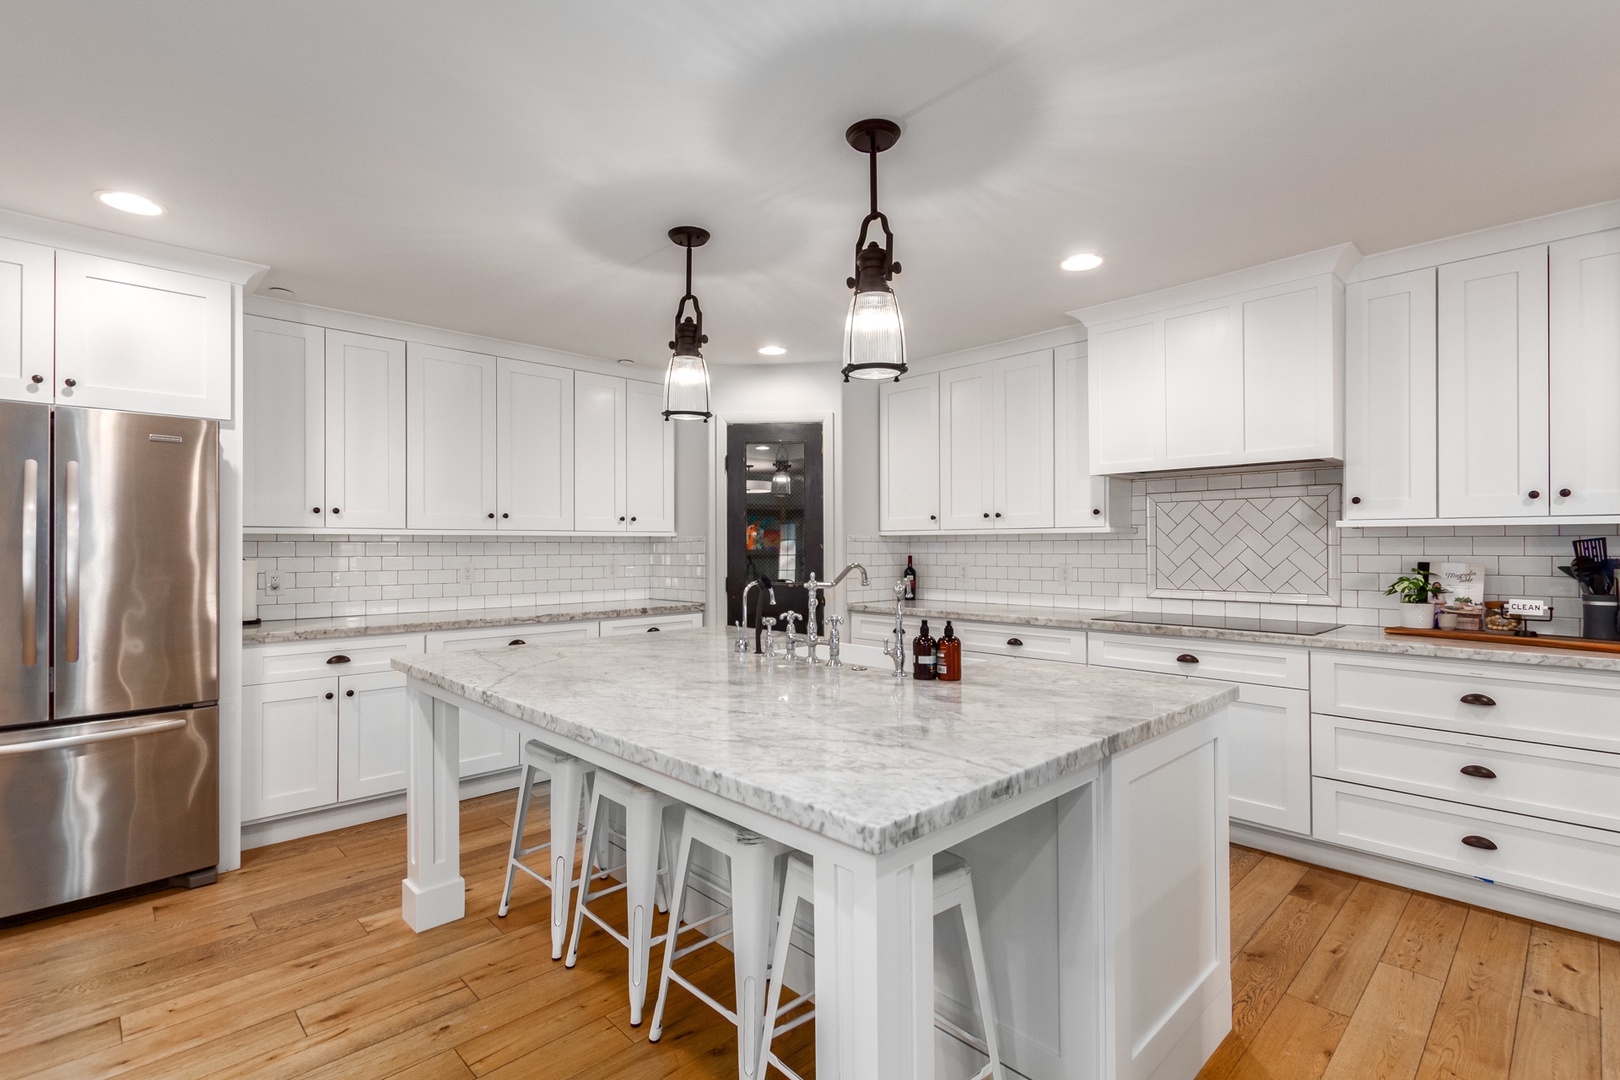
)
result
[(1257, 556)]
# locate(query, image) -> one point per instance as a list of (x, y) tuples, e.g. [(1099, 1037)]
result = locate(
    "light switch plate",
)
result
[(1528, 607)]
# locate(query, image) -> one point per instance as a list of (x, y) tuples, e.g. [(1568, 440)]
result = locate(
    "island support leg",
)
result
[(433, 892), (874, 966)]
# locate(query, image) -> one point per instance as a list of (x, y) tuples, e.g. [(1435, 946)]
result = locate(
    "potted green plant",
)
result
[(1418, 593)]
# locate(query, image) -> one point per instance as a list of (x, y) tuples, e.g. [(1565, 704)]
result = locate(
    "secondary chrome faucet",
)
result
[(896, 649), (812, 639), (791, 617)]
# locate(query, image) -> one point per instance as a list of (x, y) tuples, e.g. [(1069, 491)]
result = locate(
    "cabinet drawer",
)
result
[(1577, 786), (1267, 665), (990, 639), (1549, 857), (648, 623), (316, 659), (1558, 706), (496, 637)]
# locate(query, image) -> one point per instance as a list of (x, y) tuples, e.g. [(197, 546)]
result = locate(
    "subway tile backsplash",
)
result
[(384, 575), (1111, 573)]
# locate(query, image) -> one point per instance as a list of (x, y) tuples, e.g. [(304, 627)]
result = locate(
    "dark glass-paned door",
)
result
[(773, 515)]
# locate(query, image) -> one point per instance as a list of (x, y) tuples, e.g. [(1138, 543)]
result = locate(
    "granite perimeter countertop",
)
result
[(1370, 639), (282, 630), (851, 753)]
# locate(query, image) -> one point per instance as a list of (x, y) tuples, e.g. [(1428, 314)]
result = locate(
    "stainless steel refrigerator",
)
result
[(109, 651)]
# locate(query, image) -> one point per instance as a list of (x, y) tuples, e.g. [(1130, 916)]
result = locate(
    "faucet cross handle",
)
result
[(833, 623), (790, 618), (769, 623)]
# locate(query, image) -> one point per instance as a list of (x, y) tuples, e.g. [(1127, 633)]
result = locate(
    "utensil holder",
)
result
[(1598, 617)]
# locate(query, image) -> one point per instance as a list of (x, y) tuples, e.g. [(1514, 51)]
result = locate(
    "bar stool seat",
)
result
[(648, 858), (752, 860), (568, 776), (953, 890)]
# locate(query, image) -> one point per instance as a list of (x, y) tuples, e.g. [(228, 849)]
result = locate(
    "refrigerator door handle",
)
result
[(70, 573), (60, 742), (30, 563)]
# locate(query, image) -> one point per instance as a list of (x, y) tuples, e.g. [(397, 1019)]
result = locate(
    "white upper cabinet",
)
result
[(598, 453), (1584, 375), (365, 431), (27, 305), (1492, 389), (451, 439), (283, 424), (1080, 499), (535, 451), (1389, 404), (141, 339), (649, 460), (1021, 441), (1244, 369), (966, 460), (908, 449)]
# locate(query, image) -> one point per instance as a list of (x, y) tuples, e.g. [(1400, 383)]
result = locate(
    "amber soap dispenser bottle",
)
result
[(948, 656), (922, 654)]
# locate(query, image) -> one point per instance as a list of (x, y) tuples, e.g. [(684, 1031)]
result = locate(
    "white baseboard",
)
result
[(342, 815), (1551, 910)]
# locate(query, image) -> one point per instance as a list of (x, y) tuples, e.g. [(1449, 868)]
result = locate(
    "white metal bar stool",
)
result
[(568, 775), (646, 845), (953, 888), (752, 861)]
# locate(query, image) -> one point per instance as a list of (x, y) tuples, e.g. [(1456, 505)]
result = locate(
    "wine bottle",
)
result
[(910, 579), (922, 653), (948, 656)]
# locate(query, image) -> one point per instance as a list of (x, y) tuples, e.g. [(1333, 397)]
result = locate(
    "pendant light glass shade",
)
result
[(686, 389), (686, 383), (782, 481), (874, 337)]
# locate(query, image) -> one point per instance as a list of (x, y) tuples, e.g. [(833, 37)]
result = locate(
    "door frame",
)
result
[(832, 500)]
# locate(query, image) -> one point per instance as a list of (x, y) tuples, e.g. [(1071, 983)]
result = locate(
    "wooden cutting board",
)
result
[(1573, 644)]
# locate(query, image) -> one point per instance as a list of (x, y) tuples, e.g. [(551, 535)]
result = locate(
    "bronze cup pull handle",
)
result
[(1477, 699), (1477, 770), (1186, 658), (517, 641), (338, 659), (1481, 842), (1014, 641)]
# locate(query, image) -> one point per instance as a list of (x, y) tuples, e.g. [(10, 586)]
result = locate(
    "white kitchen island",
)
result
[(1091, 804)]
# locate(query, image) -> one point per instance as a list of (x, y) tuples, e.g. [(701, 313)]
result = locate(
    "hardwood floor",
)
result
[(298, 965)]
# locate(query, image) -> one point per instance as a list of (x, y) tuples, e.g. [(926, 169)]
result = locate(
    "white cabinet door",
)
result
[(374, 749), (1126, 371), (649, 460), (1493, 386), (289, 747), (966, 460), (1584, 373), (450, 436), (142, 339), (27, 307), (1203, 386), (283, 424), (1389, 397), (1081, 500), (365, 431), (1021, 441), (535, 451), (908, 450), (599, 465), (1291, 370), (1270, 761)]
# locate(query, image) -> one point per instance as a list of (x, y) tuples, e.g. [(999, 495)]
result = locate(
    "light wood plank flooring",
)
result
[(298, 965)]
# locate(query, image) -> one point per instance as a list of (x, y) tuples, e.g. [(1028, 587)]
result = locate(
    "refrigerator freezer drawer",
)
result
[(87, 809)]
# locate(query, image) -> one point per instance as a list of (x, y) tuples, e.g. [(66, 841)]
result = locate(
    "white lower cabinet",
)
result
[(373, 750), (289, 747)]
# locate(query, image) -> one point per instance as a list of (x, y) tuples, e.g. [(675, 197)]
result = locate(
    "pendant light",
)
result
[(686, 386), (782, 481), (874, 336)]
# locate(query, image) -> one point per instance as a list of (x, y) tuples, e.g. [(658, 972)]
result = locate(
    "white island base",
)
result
[(1102, 894)]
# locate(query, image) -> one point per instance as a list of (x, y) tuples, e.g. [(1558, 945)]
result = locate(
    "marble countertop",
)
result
[(280, 630), (855, 755), (1346, 638)]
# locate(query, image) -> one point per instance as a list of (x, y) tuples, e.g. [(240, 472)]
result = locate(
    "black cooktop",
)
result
[(1227, 622)]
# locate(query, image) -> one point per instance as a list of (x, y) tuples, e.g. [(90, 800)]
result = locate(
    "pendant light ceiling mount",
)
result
[(874, 337), (686, 386)]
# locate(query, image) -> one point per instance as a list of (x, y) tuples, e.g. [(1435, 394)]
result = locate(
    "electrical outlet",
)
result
[(272, 581), (466, 575), (627, 571)]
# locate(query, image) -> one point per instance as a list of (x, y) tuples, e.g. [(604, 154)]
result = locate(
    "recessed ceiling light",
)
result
[(762, 448), (1084, 261), (771, 350), (625, 360), (279, 290), (130, 203)]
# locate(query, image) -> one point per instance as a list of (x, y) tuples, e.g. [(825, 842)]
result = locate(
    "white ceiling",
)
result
[(510, 168)]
